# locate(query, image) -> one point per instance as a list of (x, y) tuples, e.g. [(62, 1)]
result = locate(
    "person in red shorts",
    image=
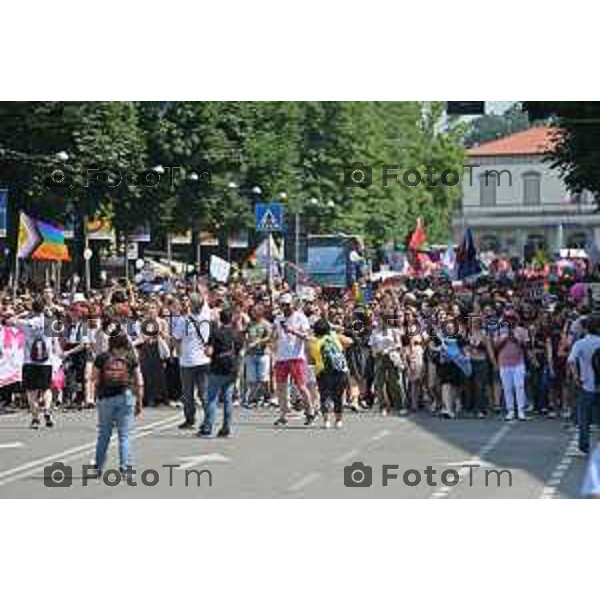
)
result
[(289, 336)]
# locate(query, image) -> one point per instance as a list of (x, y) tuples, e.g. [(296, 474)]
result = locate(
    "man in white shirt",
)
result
[(192, 333), (290, 333)]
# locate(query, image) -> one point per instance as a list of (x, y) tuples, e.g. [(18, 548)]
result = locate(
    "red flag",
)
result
[(418, 237)]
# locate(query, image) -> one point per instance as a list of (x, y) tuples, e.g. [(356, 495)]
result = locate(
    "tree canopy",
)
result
[(300, 148)]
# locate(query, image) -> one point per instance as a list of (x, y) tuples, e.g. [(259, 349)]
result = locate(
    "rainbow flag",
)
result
[(53, 245), (39, 240)]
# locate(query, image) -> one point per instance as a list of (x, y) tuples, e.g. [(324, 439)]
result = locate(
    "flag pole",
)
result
[(16, 281)]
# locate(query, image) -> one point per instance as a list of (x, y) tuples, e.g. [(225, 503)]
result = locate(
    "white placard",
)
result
[(219, 269)]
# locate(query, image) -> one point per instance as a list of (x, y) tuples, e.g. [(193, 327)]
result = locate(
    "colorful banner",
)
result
[(140, 234), (208, 238), (238, 239), (100, 229), (12, 352), (3, 209)]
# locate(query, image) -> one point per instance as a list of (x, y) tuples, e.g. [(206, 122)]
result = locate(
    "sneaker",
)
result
[(225, 431), (384, 412), (309, 419), (203, 432), (339, 424), (403, 412), (481, 415), (551, 414), (35, 424), (186, 425), (578, 453), (49, 421), (327, 424), (509, 416), (281, 422), (523, 417)]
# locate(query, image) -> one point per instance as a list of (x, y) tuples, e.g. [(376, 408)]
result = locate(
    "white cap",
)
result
[(285, 299), (79, 297)]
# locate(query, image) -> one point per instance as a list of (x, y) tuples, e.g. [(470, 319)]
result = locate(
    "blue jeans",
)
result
[(217, 385), (586, 401), (114, 410)]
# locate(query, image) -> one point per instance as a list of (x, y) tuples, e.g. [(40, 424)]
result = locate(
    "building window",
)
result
[(488, 182), (531, 188)]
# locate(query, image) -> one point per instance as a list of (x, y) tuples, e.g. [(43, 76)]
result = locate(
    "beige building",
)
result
[(515, 202)]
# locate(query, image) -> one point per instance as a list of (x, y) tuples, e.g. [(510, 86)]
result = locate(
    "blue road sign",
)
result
[(269, 217)]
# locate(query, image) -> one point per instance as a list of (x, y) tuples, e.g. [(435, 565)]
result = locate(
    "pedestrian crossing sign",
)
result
[(269, 217)]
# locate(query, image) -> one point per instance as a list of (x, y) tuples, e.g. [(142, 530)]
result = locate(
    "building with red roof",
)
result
[(515, 202)]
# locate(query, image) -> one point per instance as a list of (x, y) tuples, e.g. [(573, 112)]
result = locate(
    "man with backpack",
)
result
[(40, 353), (192, 332), (584, 363), (224, 350)]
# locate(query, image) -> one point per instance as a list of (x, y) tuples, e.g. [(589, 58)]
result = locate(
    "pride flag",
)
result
[(53, 245), (39, 240)]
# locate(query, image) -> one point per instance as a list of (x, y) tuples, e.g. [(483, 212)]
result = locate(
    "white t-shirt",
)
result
[(193, 338), (382, 341), (289, 346)]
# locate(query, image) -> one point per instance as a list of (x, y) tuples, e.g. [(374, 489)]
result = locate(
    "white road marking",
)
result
[(444, 491), (33, 466), (550, 490), (12, 445), (192, 461), (302, 483), (344, 458), (379, 436)]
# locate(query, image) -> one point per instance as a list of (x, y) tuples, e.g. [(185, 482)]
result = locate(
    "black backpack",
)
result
[(39, 350)]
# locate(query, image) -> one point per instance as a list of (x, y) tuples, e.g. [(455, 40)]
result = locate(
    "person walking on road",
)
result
[(40, 354), (331, 369), (192, 332), (224, 348), (290, 334), (120, 390), (584, 363)]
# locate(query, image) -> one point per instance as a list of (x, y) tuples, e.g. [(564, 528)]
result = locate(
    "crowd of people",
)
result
[(488, 350)]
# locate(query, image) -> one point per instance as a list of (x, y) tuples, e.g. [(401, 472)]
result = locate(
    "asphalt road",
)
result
[(463, 458)]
